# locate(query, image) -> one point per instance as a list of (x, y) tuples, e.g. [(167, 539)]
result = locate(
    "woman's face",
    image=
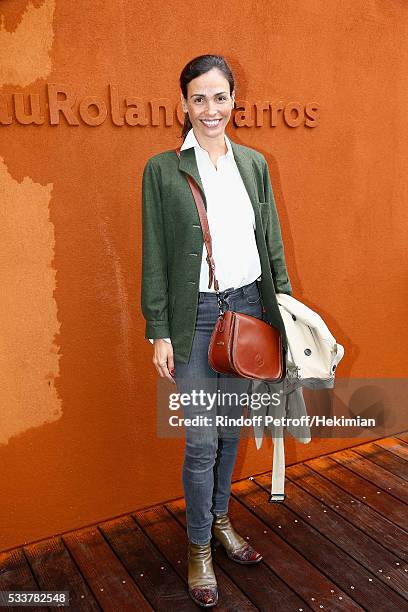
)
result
[(209, 104)]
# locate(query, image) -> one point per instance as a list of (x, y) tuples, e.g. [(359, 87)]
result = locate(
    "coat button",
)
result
[(308, 351), (293, 317)]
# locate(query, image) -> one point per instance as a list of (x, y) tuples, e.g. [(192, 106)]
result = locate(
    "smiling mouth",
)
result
[(212, 123)]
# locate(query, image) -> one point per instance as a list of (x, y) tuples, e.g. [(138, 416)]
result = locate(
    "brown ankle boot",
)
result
[(235, 546), (202, 583)]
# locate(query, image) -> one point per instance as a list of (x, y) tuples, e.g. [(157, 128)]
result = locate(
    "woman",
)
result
[(181, 308)]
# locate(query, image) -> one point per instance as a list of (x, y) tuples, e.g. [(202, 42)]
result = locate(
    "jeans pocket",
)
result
[(253, 297)]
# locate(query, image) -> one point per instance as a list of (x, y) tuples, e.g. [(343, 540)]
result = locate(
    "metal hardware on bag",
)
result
[(220, 303), (221, 300), (293, 373)]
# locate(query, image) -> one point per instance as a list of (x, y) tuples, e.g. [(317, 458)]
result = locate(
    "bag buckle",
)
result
[(221, 299), (221, 303)]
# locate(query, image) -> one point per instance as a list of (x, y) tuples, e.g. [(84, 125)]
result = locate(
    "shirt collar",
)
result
[(191, 141)]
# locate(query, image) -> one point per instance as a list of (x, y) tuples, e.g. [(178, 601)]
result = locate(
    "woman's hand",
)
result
[(163, 358)]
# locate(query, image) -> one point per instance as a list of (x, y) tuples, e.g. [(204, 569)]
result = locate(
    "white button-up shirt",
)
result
[(230, 217)]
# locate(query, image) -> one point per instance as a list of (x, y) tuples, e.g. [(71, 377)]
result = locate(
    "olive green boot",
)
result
[(235, 546), (202, 583)]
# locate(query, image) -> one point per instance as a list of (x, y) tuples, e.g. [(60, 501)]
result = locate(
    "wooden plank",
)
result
[(111, 584), (348, 574), (362, 516), (374, 473), (55, 570), (154, 576), (16, 575), (258, 582), (172, 542), (402, 436), (346, 536), (385, 459), (398, 447), (360, 488), (314, 587)]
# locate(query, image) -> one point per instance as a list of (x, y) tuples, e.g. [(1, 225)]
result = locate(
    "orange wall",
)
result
[(77, 392)]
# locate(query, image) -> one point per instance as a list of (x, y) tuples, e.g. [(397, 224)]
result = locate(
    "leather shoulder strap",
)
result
[(204, 227)]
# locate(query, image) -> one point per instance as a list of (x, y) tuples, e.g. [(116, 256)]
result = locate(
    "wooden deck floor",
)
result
[(337, 543)]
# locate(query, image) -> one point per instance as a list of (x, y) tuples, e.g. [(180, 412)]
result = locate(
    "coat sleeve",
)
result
[(274, 241), (154, 297)]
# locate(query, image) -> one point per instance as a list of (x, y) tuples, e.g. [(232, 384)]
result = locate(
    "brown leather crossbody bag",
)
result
[(241, 345)]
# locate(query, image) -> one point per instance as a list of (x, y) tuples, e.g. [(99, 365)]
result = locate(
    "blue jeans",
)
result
[(211, 450)]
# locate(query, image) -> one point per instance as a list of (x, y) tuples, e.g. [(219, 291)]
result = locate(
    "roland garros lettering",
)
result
[(59, 103)]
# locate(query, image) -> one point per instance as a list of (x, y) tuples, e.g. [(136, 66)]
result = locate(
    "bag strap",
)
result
[(204, 226)]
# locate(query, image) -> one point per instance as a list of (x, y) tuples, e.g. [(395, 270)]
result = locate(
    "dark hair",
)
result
[(196, 67)]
